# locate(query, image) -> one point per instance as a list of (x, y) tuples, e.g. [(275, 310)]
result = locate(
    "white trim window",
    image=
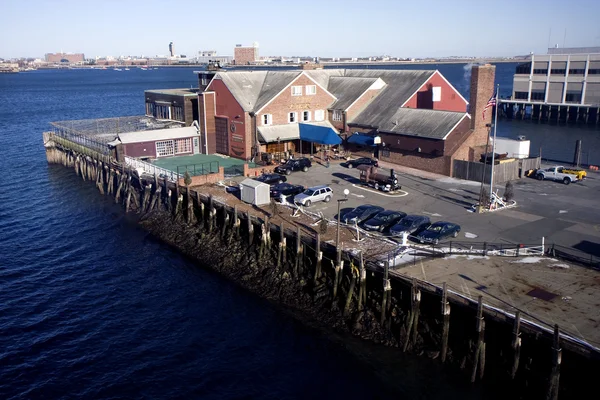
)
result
[(164, 148), (311, 90), (306, 116), (296, 90), (337, 115), (267, 119), (436, 93), (183, 146), (292, 117), (319, 115)]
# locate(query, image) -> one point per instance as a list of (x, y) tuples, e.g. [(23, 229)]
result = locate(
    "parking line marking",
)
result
[(380, 193)]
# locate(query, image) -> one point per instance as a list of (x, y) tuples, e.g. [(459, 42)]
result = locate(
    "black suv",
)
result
[(300, 164), (362, 161), (271, 179)]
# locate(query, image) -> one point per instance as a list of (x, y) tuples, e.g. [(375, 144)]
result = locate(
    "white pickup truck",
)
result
[(556, 174)]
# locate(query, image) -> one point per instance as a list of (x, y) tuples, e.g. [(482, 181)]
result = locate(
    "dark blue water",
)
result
[(91, 307)]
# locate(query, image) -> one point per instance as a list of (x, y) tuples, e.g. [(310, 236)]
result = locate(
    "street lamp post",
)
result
[(337, 238)]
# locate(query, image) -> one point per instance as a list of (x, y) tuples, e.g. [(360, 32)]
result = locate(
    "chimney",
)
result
[(482, 88), (207, 112)]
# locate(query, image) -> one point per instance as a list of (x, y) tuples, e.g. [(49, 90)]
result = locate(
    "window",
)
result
[(573, 97), (267, 119), (306, 116), (162, 111), (521, 95), (535, 95), (292, 117), (540, 71), (337, 115), (296, 90), (311, 89), (183, 146), (524, 68), (577, 72), (558, 71), (178, 113), (436, 93), (150, 109), (319, 115), (164, 148)]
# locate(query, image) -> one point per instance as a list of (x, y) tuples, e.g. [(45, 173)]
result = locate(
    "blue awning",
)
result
[(361, 140), (319, 134)]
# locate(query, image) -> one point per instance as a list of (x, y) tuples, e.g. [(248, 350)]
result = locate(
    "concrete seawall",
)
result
[(286, 265)]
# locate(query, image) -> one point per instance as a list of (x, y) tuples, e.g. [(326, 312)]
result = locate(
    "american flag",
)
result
[(491, 103)]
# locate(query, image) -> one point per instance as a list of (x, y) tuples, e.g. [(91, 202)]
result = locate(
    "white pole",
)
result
[(494, 143)]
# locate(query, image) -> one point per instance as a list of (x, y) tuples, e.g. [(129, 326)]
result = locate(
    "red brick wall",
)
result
[(240, 141), (206, 104), (439, 165), (457, 136), (360, 105), (252, 172), (410, 144), (245, 55), (199, 180), (285, 103), (450, 101)]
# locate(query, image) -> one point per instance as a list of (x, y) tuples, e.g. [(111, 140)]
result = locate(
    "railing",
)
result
[(151, 169), (234, 170), (82, 140), (211, 167)]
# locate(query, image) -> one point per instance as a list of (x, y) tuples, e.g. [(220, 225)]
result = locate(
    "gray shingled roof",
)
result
[(274, 83), (347, 90), (431, 124), (400, 86), (245, 86)]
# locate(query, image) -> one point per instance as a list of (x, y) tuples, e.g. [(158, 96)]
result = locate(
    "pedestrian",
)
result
[(327, 161)]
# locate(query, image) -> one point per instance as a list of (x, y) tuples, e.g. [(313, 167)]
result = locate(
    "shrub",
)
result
[(323, 225), (509, 191)]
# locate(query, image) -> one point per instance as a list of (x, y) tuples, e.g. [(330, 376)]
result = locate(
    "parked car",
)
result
[(300, 164), (314, 194), (438, 231), (383, 220), (410, 224), (362, 161), (378, 178), (283, 190), (556, 173), (271, 179), (361, 213)]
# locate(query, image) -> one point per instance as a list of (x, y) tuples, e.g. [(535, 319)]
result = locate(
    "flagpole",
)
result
[(494, 143)]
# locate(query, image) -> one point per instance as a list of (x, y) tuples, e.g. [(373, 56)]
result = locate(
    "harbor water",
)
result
[(93, 307)]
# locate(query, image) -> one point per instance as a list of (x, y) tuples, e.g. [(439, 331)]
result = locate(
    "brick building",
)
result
[(70, 58), (245, 55), (412, 118)]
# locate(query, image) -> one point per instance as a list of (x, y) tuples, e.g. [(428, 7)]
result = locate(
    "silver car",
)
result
[(314, 194)]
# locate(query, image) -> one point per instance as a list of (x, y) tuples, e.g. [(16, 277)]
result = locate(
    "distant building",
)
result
[(70, 58), (172, 49), (206, 56), (245, 55), (564, 76)]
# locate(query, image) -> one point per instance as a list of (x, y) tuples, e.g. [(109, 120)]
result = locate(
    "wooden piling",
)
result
[(236, 221), (155, 199), (298, 256), (362, 291), (413, 319), (353, 275), (387, 287), (128, 192), (179, 207), (319, 256), (479, 358), (146, 198), (111, 180), (191, 217), (250, 229), (283, 244), (338, 271), (225, 225), (516, 344), (552, 393), (446, 323)]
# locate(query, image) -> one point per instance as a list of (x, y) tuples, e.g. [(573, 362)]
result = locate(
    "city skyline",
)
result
[(462, 28)]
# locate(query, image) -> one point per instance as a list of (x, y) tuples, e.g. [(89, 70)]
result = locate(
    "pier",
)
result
[(547, 112), (289, 263)]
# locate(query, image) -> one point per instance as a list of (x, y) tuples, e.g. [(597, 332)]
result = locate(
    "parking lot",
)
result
[(566, 215)]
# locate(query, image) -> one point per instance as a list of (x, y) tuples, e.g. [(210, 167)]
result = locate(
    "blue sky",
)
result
[(326, 28)]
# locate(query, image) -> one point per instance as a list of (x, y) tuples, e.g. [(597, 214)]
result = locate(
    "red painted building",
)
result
[(417, 118)]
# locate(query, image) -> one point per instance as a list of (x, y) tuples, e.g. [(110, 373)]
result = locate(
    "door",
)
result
[(196, 145)]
